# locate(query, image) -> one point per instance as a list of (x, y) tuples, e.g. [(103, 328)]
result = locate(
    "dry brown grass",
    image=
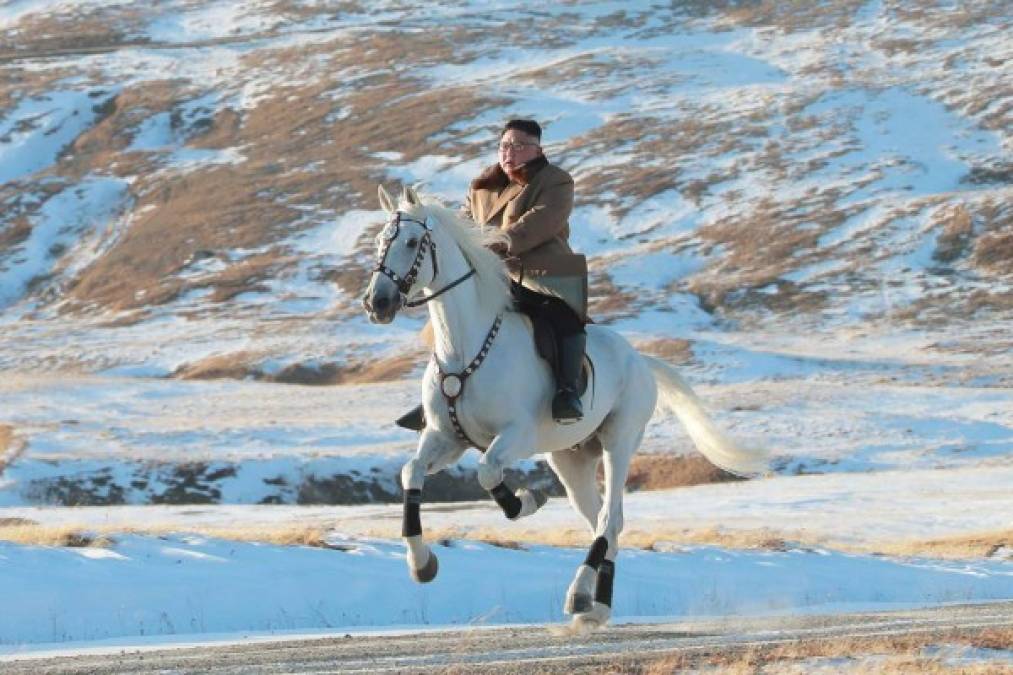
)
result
[(16, 232), (890, 654), (293, 155), (957, 229), (379, 370), (892, 46), (794, 16), (29, 533), (659, 144), (6, 437), (674, 350), (580, 537), (984, 245), (605, 301), (257, 203), (658, 538), (293, 535), (980, 231), (661, 538), (978, 545), (10, 446), (231, 366), (81, 31), (242, 365), (762, 245), (958, 16), (994, 252)]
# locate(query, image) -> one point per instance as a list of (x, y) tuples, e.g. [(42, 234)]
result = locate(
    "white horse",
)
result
[(486, 386)]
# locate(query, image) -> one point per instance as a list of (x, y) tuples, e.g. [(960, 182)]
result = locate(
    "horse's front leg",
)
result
[(512, 444), (436, 450)]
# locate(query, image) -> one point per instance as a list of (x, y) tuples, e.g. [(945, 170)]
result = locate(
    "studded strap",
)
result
[(405, 283), (452, 384)]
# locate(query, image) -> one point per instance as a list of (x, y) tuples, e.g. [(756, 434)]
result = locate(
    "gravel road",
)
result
[(527, 650)]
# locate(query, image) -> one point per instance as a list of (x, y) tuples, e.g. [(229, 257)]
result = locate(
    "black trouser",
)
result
[(555, 311)]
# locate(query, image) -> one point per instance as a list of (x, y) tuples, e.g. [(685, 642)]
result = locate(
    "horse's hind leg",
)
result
[(578, 472), (434, 453), (589, 598)]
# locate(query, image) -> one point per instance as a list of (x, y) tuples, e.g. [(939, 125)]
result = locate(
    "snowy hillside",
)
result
[(808, 211), (209, 170)]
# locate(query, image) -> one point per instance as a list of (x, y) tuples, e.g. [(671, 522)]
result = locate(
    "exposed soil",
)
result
[(205, 482), (10, 446), (243, 365), (661, 472)]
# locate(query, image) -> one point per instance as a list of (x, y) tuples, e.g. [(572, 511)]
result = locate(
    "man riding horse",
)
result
[(530, 200)]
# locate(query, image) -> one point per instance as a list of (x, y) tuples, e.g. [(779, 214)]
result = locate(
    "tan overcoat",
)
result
[(536, 218)]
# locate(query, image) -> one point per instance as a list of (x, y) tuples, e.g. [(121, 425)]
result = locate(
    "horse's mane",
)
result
[(474, 241)]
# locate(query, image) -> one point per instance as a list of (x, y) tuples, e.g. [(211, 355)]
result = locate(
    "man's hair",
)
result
[(530, 127)]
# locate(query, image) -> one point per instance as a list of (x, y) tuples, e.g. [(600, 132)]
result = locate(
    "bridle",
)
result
[(451, 384), (404, 283)]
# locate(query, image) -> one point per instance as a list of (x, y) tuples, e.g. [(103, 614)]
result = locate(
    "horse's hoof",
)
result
[(596, 617), (428, 571), (578, 603), (531, 501)]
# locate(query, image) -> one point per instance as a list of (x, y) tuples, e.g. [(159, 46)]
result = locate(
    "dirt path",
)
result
[(540, 649)]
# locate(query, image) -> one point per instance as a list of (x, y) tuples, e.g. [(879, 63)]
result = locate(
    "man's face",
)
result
[(517, 148)]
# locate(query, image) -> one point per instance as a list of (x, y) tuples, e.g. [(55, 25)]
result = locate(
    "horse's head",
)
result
[(402, 248)]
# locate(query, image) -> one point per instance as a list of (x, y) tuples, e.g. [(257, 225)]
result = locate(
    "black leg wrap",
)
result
[(603, 589), (507, 500), (411, 524), (597, 553)]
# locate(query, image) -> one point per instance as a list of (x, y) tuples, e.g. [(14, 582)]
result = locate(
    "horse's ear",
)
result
[(386, 201), (410, 196)]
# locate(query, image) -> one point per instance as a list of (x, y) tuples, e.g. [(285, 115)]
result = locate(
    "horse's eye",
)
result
[(412, 243)]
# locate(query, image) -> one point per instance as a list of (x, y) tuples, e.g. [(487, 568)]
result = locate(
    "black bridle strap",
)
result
[(405, 283), (418, 303)]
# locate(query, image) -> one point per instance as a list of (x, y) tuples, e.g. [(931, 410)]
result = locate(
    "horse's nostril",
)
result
[(381, 304)]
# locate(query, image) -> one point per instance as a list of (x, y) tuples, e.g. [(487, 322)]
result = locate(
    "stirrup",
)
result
[(414, 419)]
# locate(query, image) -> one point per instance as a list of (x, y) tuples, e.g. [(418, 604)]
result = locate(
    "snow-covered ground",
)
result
[(198, 586), (186, 585)]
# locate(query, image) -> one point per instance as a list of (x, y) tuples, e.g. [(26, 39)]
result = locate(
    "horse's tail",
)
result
[(675, 395)]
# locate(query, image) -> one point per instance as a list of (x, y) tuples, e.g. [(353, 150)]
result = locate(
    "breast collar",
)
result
[(452, 384)]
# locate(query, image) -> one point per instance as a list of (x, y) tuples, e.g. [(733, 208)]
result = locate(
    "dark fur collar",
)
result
[(494, 178)]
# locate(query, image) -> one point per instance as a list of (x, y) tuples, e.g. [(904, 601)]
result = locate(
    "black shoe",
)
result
[(414, 419), (566, 407)]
